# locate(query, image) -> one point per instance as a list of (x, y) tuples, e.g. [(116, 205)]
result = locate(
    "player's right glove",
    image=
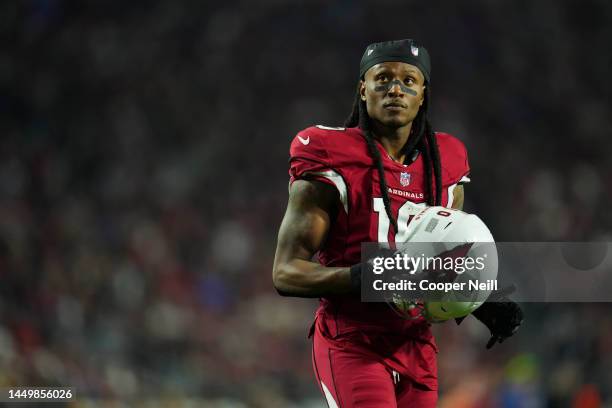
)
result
[(357, 270)]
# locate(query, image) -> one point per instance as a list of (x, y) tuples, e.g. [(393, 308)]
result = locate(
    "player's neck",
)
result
[(392, 139)]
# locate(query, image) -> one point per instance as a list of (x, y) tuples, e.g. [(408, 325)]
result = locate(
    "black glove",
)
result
[(357, 270), (502, 317)]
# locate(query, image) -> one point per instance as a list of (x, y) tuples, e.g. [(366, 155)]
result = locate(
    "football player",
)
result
[(362, 183)]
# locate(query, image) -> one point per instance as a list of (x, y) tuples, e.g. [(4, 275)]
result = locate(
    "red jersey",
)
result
[(340, 157)]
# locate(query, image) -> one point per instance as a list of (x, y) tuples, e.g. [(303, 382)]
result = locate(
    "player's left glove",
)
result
[(502, 317)]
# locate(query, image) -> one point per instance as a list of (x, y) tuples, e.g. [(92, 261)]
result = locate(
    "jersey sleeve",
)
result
[(454, 159), (309, 159)]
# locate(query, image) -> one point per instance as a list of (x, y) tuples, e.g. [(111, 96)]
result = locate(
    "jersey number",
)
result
[(405, 214)]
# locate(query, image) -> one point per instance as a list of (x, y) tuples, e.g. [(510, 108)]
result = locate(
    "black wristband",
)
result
[(356, 278)]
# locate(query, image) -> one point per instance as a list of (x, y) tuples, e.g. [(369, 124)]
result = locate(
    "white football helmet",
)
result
[(442, 230)]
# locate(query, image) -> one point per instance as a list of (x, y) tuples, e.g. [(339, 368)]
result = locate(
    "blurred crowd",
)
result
[(143, 177)]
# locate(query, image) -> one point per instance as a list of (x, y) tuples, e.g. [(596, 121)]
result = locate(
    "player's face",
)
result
[(393, 92)]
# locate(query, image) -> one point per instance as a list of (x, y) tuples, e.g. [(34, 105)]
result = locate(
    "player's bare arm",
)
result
[(312, 205)]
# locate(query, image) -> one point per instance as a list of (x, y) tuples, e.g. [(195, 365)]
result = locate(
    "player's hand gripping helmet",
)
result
[(449, 234)]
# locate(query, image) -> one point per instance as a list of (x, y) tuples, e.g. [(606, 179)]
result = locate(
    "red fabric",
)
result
[(406, 346), (345, 152), (354, 376)]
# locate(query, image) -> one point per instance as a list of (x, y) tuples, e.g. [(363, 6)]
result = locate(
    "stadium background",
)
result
[(143, 176)]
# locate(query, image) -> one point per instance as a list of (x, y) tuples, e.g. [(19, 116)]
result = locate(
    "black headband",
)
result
[(407, 51)]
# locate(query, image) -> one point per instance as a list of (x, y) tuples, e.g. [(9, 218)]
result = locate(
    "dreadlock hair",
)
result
[(421, 137)]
